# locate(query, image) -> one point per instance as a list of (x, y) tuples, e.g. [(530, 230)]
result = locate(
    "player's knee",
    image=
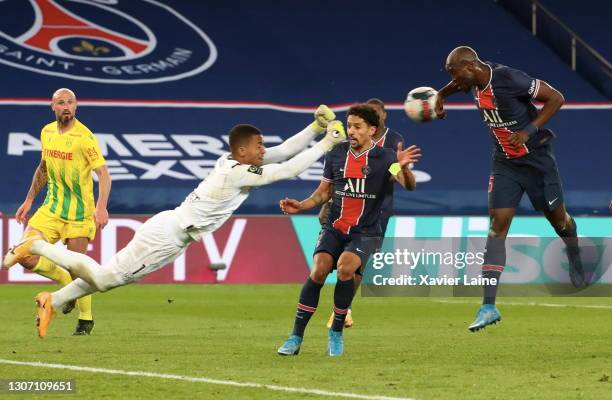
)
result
[(318, 276), (104, 282), (30, 262), (103, 287), (319, 272), (346, 271), (347, 265), (322, 266), (561, 223)]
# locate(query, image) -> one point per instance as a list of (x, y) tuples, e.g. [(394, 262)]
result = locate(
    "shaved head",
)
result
[(62, 90), (466, 69), (461, 55), (64, 105)]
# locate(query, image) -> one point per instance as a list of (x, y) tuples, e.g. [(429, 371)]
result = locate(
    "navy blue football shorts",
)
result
[(535, 173), (334, 243)]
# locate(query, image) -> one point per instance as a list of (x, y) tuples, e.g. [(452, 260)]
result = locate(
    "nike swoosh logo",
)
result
[(359, 250), (341, 169), (552, 201)]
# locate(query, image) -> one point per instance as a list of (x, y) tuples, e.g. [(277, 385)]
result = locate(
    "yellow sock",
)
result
[(84, 304), (48, 269)]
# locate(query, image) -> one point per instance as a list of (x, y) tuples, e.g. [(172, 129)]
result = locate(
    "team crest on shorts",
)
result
[(110, 41)]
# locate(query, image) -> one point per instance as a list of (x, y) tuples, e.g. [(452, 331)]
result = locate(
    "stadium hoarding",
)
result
[(534, 266), (243, 250), (403, 228), (278, 249)]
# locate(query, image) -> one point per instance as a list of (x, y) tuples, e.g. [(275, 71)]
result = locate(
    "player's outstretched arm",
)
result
[(104, 187), (450, 88), (39, 180), (401, 170), (318, 197), (250, 175), (322, 117)]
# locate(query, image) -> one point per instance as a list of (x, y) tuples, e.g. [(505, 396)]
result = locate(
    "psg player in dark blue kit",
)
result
[(357, 174), (522, 159), (384, 137)]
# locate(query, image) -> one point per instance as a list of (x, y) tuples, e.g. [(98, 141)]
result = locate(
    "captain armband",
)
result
[(395, 168)]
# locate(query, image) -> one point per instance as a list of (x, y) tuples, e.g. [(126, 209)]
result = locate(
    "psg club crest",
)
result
[(109, 41), (366, 169)]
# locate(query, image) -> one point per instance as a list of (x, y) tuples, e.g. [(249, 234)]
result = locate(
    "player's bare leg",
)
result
[(493, 266), (85, 323), (566, 228), (308, 302)]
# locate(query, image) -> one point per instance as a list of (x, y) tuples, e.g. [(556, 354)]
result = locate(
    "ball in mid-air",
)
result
[(420, 103)]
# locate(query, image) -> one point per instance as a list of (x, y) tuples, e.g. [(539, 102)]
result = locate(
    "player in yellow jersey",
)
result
[(69, 153)]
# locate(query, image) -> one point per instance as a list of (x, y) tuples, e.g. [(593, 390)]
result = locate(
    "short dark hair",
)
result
[(240, 134), (366, 112), (377, 102)]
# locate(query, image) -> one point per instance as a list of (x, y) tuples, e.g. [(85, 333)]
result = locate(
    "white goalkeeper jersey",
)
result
[(228, 185), (215, 199)]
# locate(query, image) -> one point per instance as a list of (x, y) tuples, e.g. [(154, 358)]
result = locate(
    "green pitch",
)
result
[(399, 347)]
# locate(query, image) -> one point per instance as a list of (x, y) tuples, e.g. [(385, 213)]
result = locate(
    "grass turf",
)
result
[(402, 347)]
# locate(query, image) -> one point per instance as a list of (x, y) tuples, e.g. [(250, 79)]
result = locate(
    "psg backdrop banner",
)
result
[(157, 154), (161, 83)]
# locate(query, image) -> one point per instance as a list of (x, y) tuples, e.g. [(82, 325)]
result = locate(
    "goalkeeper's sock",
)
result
[(76, 289), (49, 269), (343, 296), (493, 266), (309, 299)]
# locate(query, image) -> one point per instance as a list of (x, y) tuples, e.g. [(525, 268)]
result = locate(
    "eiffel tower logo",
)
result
[(53, 22)]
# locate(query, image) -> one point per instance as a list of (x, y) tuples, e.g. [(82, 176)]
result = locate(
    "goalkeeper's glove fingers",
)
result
[(323, 116)]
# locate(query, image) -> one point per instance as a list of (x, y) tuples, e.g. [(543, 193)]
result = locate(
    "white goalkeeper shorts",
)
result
[(157, 242)]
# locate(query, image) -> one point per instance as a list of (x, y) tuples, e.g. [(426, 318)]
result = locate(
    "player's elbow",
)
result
[(557, 98), (561, 99), (411, 186), (102, 173)]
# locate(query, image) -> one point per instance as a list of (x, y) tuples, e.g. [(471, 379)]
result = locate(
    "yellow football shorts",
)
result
[(54, 228)]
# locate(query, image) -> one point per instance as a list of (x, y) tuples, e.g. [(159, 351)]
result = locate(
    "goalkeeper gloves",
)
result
[(335, 134), (323, 116)]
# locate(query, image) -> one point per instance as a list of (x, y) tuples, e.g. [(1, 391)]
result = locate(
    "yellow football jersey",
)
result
[(70, 157)]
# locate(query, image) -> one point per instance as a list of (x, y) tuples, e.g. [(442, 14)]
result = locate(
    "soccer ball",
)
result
[(420, 103)]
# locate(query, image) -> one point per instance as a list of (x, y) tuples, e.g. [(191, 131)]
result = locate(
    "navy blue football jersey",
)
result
[(389, 140), (506, 107), (360, 185)]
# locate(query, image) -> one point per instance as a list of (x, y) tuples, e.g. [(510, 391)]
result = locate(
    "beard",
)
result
[(64, 119)]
